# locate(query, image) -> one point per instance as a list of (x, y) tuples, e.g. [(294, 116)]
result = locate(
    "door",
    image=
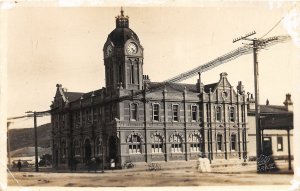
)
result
[(267, 146)]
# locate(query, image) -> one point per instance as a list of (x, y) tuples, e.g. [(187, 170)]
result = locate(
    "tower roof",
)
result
[(122, 32)]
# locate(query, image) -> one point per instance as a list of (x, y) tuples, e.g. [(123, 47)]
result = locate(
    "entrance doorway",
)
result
[(267, 146)]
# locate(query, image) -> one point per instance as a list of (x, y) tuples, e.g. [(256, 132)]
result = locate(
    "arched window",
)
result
[(77, 150), (133, 111), (177, 144), (134, 144), (233, 142), (98, 146), (218, 113), (219, 142), (231, 114), (195, 143), (157, 144)]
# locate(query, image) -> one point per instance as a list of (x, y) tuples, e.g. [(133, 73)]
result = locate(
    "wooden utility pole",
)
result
[(256, 92), (35, 115), (36, 143), (255, 45)]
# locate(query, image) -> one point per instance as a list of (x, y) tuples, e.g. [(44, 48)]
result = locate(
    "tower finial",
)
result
[(122, 12)]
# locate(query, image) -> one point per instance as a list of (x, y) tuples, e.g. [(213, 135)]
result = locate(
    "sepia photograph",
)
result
[(150, 95)]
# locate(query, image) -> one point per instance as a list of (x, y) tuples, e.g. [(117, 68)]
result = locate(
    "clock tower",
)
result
[(123, 57)]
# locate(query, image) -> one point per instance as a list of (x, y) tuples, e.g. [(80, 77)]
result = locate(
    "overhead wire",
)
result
[(272, 28)]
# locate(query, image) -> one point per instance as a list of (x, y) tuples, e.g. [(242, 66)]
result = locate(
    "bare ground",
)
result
[(119, 178)]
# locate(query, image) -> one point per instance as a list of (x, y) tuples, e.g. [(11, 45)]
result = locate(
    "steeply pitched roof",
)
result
[(72, 96), (210, 86)]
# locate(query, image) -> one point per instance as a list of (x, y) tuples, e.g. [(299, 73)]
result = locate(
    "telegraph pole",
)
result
[(35, 143), (257, 106), (35, 115), (35, 140), (255, 44)]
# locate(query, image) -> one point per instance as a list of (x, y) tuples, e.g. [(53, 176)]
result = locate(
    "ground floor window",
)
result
[(134, 144), (219, 142), (177, 144), (233, 142), (77, 150), (63, 151), (98, 146), (157, 144), (134, 149), (279, 144), (195, 147)]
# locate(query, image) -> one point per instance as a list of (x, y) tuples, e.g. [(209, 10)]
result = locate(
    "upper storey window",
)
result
[(133, 110), (175, 112), (231, 114), (194, 113), (218, 113), (132, 73), (155, 112)]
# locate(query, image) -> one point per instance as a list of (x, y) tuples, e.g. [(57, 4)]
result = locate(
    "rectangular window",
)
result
[(88, 115), (157, 148), (155, 112), (231, 114), (175, 112), (279, 144), (233, 142), (219, 142), (195, 147), (176, 148), (194, 113), (133, 108), (95, 115), (99, 114), (218, 113), (62, 120), (135, 149)]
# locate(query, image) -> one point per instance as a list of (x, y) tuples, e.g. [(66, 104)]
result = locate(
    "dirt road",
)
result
[(118, 178)]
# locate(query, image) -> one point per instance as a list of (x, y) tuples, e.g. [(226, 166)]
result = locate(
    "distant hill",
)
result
[(20, 138), (29, 151)]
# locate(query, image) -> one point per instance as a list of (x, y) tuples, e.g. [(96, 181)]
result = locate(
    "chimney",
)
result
[(199, 85), (251, 101), (267, 102), (288, 102), (240, 88)]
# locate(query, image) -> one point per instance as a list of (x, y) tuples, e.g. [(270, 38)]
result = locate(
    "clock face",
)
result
[(109, 50), (132, 48)]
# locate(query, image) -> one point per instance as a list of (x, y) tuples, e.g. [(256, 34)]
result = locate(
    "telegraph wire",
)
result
[(272, 28)]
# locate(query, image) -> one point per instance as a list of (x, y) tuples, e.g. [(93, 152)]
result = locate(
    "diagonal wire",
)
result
[(272, 28)]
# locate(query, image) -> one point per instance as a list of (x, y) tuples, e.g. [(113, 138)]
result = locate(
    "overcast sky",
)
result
[(46, 46)]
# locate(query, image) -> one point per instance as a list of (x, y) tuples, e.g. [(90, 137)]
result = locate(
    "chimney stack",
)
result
[(288, 102)]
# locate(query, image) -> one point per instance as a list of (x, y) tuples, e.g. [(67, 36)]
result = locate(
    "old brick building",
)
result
[(134, 119)]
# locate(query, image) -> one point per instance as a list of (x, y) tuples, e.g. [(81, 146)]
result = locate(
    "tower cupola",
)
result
[(121, 20)]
